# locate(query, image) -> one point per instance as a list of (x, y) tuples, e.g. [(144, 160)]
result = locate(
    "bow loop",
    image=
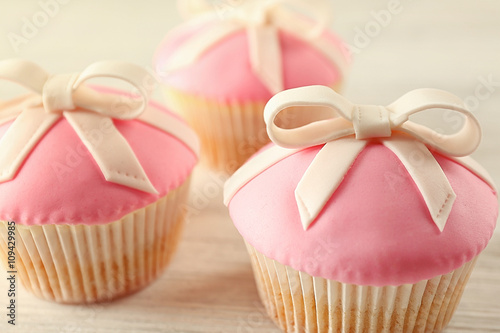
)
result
[(323, 108), (112, 105), (25, 73), (323, 114), (463, 142)]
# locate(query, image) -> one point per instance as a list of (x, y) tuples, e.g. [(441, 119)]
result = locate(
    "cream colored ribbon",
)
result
[(346, 128), (262, 19), (87, 111)]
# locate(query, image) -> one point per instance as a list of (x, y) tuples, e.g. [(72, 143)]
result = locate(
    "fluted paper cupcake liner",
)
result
[(229, 132), (93, 263), (298, 302)]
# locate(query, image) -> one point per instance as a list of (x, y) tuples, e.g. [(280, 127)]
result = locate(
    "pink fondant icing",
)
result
[(60, 183), (374, 230), (224, 72)]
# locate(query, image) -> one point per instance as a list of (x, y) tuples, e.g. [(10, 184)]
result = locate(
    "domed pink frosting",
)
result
[(60, 183), (224, 72), (374, 230)]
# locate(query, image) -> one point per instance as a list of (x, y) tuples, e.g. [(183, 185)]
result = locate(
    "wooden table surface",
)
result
[(209, 287)]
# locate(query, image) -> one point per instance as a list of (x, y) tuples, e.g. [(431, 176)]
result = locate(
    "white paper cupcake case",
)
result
[(93, 263), (229, 132), (298, 302)]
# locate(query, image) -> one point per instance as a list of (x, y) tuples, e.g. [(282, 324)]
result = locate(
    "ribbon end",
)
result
[(305, 216), (6, 175), (149, 188), (137, 183)]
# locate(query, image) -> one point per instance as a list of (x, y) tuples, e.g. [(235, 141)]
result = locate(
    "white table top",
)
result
[(448, 44)]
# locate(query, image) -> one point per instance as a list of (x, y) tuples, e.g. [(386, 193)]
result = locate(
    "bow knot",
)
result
[(371, 121), (57, 93)]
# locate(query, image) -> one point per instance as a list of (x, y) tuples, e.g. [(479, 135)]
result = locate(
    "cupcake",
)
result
[(218, 70), (93, 182), (361, 220)]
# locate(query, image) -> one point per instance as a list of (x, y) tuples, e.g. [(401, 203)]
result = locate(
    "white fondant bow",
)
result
[(346, 128), (86, 110), (263, 19)]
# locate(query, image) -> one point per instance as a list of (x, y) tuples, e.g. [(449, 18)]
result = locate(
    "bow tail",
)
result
[(20, 139), (265, 56), (427, 175), (314, 189), (110, 150)]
